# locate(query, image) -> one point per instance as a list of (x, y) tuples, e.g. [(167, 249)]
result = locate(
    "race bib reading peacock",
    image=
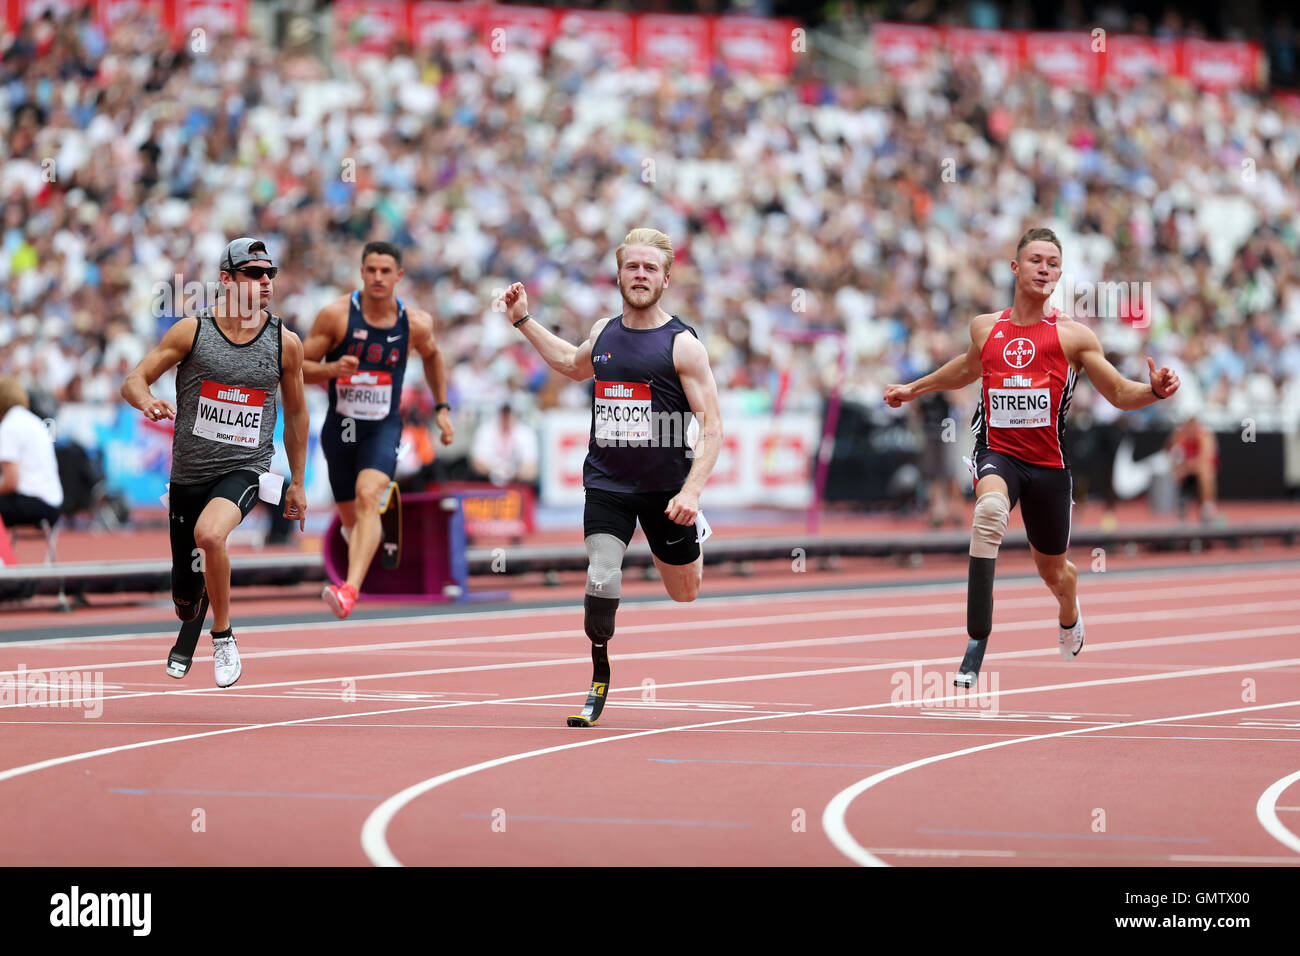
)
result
[(622, 412)]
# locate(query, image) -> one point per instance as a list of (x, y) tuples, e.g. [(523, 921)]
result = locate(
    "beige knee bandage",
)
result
[(991, 513)]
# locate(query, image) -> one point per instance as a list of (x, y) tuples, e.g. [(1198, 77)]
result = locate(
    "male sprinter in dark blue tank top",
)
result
[(652, 377), (360, 344)]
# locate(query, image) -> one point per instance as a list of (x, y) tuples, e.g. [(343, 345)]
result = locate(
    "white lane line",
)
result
[(374, 839), (1266, 812), (1144, 595), (833, 816), (870, 637)]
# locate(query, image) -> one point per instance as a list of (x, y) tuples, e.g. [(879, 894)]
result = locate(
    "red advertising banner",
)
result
[(21, 10), (506, 26), (1065, 58), (452, 24), (1222, 66), (1135, 59), (110, 14), (967, 45), (759, 45), (612, 34), (367, 26), (903, 48), (213, 16), (669, 41)]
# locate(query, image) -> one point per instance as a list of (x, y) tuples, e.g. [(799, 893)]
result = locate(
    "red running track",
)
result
[(768, 730)]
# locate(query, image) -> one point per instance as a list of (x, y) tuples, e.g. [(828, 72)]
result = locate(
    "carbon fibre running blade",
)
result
[(970, 664), (181, 656), (591, 710)]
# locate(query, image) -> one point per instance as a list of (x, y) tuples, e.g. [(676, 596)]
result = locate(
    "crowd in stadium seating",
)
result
[(883, 212)]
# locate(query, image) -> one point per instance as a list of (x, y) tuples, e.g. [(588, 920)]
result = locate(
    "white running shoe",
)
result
[(225, 660), (1070, 639)]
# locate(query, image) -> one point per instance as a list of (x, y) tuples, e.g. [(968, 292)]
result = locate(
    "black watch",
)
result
[(440, 406)]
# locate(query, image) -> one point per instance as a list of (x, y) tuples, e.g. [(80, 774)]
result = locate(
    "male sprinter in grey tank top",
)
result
[(230, 361), (652, 376)]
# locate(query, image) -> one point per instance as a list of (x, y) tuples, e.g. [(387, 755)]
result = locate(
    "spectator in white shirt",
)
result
[(505, 450), (30, 490)]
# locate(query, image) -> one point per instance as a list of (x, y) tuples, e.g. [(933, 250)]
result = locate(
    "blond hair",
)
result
[(11, 393), (1036, 235), (647, 237)]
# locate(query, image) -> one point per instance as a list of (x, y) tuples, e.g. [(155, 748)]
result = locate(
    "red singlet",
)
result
[(1025, 394)]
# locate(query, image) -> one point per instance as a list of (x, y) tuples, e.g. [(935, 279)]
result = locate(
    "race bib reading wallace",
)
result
[(364, 395), (230, 414), (1023, 402), (622, 412)]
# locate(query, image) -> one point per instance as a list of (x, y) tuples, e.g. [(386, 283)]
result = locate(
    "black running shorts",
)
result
[(1046, 497), (616, 513), (186, 503)]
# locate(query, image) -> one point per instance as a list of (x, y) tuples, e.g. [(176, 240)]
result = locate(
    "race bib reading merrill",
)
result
[(364, 395), (622, 412), (230, 414), (1026, 403)]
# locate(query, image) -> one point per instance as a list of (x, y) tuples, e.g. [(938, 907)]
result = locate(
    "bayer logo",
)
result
[(1018, 352)]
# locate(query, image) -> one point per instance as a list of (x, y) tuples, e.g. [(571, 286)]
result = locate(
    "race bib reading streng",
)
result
[(1022, 402), (622, 412), (230, 414), (367, 396)]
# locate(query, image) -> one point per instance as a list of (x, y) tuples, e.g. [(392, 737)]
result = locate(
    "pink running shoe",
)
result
[(340, 599)]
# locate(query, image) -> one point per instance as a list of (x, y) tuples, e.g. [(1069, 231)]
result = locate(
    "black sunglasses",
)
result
[(256, 272)]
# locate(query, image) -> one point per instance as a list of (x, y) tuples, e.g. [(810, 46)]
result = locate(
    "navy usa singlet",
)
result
[(372, 395), (639, 414)]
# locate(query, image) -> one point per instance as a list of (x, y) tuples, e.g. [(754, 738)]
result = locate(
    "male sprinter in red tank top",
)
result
[(1029, 357)]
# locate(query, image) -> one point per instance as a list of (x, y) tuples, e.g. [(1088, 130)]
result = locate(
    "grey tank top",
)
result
[(225, 403)]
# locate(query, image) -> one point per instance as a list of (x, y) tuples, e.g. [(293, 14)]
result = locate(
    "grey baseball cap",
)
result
[(240, 252)]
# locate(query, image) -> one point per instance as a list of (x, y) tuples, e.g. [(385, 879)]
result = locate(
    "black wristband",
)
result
[(1157, 394), (440, 406), (523, 320)]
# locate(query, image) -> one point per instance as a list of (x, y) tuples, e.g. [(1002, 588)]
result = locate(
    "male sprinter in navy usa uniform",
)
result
[(229, 362), (652, 377), (360, 344)]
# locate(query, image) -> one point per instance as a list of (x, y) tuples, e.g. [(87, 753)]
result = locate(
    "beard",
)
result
[(640, 299)]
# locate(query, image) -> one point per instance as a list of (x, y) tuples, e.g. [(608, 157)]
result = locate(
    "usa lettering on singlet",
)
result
[(381, 353), (1027, 387)]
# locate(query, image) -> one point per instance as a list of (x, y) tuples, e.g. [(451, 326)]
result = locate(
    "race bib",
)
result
[(622, 412), (1022, 402), (230, 414), (367, 396)]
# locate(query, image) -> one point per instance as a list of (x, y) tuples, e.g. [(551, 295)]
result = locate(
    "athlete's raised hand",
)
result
[(158, 409), (345, 365), (1163, 380), (516, 300), (896, 395)]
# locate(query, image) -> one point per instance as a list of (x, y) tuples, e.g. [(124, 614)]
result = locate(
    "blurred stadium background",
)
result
[(844, 185)]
